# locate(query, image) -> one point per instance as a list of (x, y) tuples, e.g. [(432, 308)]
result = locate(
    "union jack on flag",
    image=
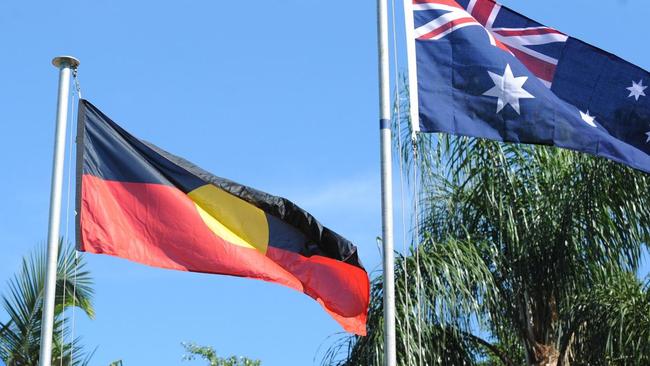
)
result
[(479, 69), (535, 45)]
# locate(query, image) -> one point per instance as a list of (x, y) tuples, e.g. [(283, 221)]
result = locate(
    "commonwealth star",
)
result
[(508, 89)]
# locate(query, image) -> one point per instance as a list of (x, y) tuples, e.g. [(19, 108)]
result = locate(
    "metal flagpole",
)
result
[(65, 64), (386, 185)]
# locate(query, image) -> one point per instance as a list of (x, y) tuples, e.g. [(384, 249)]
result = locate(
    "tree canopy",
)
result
[(207, 353)]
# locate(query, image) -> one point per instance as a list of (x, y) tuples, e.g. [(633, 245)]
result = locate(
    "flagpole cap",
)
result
[(65, 61)]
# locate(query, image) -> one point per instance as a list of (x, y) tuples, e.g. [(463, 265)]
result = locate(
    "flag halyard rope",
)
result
[(74, 98), (397, 118)]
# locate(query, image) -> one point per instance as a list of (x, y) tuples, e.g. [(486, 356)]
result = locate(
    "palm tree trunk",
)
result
[(546, 355)]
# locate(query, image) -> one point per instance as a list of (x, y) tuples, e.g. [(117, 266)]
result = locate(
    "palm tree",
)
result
[(20, 335), (525, 255)]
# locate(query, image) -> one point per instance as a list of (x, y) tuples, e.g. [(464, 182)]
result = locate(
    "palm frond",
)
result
[(20, 338), (436, 309), (611, 322)]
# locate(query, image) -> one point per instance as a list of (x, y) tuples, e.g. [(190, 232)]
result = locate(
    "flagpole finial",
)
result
[(63, 61)]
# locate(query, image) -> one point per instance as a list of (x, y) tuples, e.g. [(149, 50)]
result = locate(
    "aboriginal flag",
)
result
[(138, 202)]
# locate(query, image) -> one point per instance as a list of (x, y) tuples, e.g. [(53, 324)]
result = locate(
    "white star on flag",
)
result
[(508, 89), (588, 118), (637, 90), (648, 139)]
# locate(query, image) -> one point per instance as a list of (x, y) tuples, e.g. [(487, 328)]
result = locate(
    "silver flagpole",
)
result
[(390, 358), (65, 64)]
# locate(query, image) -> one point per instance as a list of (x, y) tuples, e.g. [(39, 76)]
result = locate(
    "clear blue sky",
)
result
[(280, 95)]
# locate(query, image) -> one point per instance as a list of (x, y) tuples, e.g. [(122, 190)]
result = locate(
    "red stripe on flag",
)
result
[(542, 69), (160, 226), (446, 27), (441, 2), (526, 32), (482, 10), (501, 45), (327, 280)]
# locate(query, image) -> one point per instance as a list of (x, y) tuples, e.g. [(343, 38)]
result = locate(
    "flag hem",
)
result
[(411, 68), (81, 128)]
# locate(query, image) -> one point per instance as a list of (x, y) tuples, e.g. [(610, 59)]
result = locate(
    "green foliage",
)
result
[(525, 255), (206, 353), (20, 335), (611, 323)]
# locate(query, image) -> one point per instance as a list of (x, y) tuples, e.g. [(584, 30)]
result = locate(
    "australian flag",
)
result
[(486, 71)]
